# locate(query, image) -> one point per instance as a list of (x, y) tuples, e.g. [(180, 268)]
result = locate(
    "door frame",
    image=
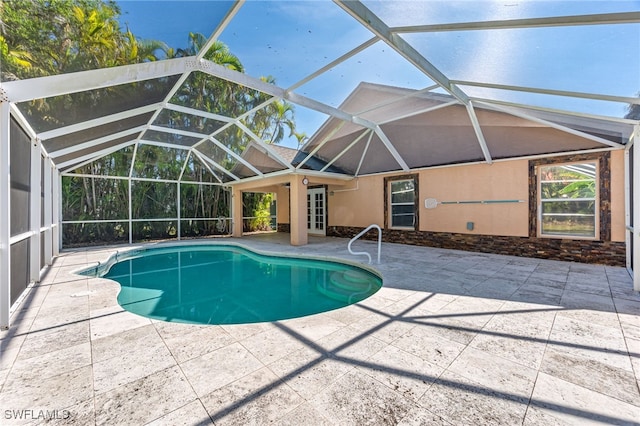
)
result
[(312, 214)]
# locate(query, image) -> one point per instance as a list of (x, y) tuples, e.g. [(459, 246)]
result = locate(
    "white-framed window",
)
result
[(402, 203), (568, 200)]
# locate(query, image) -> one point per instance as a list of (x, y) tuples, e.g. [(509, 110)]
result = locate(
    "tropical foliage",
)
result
[(47, 37)]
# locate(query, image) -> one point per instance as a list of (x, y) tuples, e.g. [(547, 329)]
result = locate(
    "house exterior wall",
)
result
[(503, 228)]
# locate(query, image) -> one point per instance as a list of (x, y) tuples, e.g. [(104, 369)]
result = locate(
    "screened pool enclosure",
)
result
[(178, 139)]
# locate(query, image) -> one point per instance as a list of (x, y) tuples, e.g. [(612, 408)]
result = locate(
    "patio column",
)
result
[(55, 211), (298, 206), (5, 215), (236, 212)]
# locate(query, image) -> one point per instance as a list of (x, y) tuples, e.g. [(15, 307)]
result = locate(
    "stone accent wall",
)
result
[(584, 251), (284, 227)]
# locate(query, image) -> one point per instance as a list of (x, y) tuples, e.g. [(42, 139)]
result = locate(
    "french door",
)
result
[(316, 211)]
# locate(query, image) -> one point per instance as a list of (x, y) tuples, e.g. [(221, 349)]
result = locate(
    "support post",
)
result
[(5, 215), (635, 200), (48, 200), (236, 212), (179, 206), (298, 206), (56, 193), (35, 211)]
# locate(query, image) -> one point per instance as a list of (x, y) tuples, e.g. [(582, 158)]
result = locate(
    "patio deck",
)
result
[(452, 338)]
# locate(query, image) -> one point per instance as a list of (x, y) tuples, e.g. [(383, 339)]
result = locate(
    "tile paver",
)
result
[(451, 338)]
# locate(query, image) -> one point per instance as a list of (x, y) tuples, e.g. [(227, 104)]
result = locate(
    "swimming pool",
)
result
[(226, 284)]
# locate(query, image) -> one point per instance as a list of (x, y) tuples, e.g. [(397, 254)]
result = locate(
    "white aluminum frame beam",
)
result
[(34, 210), (223, 147), (93, 156), (61, 131), (197, 112), (5, 212), (210, 162), (64, 84), (555, 21), (321, 144), (635, 199), (479, 135), (231, 13), (47, 206), (94, 142), (347, 148), (55, 211), (565, 93)]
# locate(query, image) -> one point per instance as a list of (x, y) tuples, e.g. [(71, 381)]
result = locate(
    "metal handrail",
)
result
[(360, 235)]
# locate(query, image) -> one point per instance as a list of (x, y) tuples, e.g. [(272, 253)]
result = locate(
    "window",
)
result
[(568, 200), (402, 202)]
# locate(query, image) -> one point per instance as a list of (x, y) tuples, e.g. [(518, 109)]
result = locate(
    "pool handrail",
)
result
[(364, 231)]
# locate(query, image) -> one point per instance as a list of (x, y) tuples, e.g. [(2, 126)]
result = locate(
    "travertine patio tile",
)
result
[(130, 366), (522, 350), (351, 345), (575, 404), (145, 399), (54, 338), (309, 372), (358, 399), (382, 327), (242, 331), (271, 345), (498, 374), (49, 364), (420, 416), (259, 398), (592, 374), (116, 345), (114, 320), (580, 300), (312, 327), (304, 414), (403, 372), (190, 414), (423, 342), (56, 392), (198, 342), (466, 402), (219, 368)]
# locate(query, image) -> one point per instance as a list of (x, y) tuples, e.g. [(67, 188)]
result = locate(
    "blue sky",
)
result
[(291, 39)]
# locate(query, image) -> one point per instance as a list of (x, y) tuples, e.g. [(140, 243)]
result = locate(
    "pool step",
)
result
[(344, 285)]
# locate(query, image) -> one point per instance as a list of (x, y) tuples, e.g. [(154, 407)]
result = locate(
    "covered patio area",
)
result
[(452, 338)]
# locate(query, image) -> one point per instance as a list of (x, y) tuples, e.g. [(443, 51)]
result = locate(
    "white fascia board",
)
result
[(95, 142), (264, 145), (197, 112), (177, 132), (554, 21), (392, 149), (61, 131), (478, 130), (234, 155), (93, 156), (565, 93), (529, 117), (63, 84), (374, 24)]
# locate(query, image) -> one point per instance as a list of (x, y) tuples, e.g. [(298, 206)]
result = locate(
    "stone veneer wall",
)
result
[(584, 251), (283, 227)]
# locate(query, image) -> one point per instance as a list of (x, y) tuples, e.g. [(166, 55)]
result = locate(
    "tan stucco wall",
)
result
[(506, 180), (617, 196), (361, 207), (282, 204), (498, 181)]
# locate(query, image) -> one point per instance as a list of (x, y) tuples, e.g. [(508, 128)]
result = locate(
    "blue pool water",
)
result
[(216, 284)]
